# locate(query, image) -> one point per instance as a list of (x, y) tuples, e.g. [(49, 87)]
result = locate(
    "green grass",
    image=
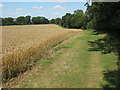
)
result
[(60, 47)]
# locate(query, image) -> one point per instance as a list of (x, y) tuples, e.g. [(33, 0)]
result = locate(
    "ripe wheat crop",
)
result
[(23, 45)]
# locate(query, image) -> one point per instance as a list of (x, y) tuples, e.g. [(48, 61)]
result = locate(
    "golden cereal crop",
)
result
[(22, 45)]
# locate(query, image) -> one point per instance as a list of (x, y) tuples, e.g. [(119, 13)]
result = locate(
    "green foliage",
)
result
[(66, 20), (52, 21), (58, 21), (90, 25), (28, 20), (0, 21), (76, 20), (20, 20), (7, 21), (106, 18), (39, 20), (105, 15)]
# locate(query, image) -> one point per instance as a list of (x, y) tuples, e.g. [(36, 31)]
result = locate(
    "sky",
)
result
[(47, 9)]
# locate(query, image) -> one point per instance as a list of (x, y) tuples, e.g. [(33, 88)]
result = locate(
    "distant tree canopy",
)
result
[(76, 20), (52, 21), (28, 20), (7, 21), (21, 20), (40, 20)]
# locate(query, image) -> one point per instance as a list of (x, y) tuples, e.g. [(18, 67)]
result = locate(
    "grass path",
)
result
[(94, 71), (73, 66)]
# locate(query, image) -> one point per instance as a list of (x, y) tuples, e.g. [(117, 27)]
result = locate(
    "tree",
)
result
[(90, 25), (106, 19), (7, 21), (52, 21), (20, 20), (78, 12), (39, 20), (27, 20), (66, 20), (58, 21), (78, 18), (0, 21), (106, 16)]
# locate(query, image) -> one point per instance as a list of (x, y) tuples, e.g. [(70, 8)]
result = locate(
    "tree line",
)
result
[(105, 18), (21, 20), (77, 20)]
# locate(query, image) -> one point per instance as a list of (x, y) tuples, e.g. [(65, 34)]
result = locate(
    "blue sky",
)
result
[(46, 9)]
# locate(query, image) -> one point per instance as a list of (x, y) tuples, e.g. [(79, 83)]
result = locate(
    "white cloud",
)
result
[(41, 7), (19, 9), (57, 13), (58, 7), (18, 12), (61, 1), (50, 8), (2, 5), (34, 7), (23, 14), (28, 14)]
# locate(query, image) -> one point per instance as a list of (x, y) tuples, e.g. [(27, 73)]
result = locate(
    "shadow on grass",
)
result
[(107, 45), (112, 78), (95, 33)]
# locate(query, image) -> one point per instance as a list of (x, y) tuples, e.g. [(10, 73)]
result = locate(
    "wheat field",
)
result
[(23, 45)]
